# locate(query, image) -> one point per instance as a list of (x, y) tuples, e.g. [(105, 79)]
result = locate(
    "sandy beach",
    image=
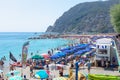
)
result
[(55, 73)]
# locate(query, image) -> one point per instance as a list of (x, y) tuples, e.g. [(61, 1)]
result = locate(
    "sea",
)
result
[(13, 42)]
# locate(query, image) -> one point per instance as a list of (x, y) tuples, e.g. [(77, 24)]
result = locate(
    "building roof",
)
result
[(104, 41)]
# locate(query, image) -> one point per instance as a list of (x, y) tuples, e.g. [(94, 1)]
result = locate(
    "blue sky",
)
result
[(32, 15)]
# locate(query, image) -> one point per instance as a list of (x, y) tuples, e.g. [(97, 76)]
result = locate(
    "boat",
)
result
[(102, 77)]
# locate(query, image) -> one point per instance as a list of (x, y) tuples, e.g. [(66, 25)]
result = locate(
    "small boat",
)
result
[(102, 77)]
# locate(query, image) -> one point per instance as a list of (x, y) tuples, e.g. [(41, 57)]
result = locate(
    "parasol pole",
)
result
[(9, 62), (22, 66)]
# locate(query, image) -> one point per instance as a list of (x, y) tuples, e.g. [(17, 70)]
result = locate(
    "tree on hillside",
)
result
[(115, 17)]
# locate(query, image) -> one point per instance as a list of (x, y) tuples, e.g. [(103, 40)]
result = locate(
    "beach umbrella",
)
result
[(67, 48), (16, 78), (60, 78), (37, 57), (1, 71), (84, 56), (57, 51), (54, 56), (60, 54), (42, 74), (79, 52), (15, 72), (45, 55)]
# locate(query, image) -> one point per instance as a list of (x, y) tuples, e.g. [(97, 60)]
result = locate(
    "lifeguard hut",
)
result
[(103, 50)]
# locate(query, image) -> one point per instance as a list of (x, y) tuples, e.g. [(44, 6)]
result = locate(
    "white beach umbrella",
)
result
[(1, 71), (15, 72), (56, 51), (16, 78)]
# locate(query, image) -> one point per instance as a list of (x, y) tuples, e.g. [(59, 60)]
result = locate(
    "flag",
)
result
[(25, 52), (12, 57)]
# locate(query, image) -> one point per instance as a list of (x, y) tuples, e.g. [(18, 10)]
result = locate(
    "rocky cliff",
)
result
[(86, 17)]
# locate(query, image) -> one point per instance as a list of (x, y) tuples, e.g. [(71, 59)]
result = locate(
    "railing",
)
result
[(117, 54)]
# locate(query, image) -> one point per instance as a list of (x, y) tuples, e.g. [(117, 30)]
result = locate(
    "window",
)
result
[(102, 51)]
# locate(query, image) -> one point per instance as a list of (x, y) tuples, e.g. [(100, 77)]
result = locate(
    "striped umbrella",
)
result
[(45, 55), (60, 78)]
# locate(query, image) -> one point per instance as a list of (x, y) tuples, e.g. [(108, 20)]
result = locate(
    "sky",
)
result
[(32, 15)]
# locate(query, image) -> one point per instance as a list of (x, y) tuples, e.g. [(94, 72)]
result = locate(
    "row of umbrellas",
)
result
[(65, 51), (77, 50)]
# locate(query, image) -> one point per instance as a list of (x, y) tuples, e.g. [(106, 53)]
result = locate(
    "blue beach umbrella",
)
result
[(78, 53), (42, 74), (67, 48), (67, 51), (61, 54)]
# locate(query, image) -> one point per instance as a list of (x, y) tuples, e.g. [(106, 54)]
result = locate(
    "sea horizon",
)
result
[(13, 42)]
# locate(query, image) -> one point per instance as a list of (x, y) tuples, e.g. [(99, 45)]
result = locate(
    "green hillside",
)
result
[(86, 17)]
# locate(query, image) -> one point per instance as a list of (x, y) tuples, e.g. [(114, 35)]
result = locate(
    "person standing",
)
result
[(89, 66), (113, 60), (106, 62), (102, 62), (70, 72), (72, 65), (31, 70)]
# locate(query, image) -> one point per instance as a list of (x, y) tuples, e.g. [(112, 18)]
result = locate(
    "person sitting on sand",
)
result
[(61, 72), (41, 66)]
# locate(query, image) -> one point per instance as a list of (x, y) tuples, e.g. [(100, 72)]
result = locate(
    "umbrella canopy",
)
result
[(57, 51), (60, 78), (67, 48), (45, 55), (37, 57), (16, 78), (79, 53), (15, 72), (1, 71), (42, 74)]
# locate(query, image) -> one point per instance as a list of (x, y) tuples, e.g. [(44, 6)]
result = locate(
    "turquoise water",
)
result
[(13, 42)]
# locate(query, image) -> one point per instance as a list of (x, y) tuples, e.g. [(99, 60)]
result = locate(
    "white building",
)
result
[(103, 46)]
